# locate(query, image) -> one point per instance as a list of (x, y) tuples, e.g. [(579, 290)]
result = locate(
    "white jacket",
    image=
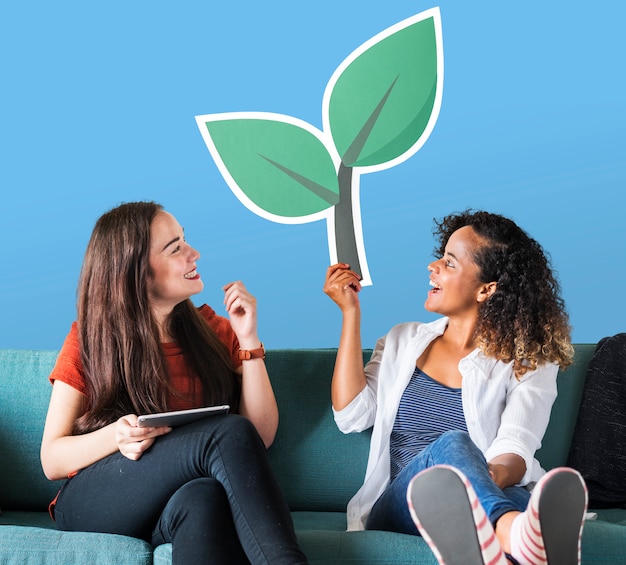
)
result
[(503, 415)]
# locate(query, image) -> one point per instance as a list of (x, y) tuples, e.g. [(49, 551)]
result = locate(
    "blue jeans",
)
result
[(455, 448), (207, 487)]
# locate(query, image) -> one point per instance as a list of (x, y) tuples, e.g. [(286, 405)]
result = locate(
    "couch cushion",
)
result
[(603, 542), (364, 548), (25, 393), (556, 441), (32, 545), (313, 520), (23, 518), (308, 451), (163, 554), (323, 539)]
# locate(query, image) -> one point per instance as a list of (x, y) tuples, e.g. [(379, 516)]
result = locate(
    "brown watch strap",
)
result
[(245, 354)]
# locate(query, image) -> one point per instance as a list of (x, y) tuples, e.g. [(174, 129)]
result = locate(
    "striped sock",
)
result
[(565, 501), (489, 545), (526, 541), (490, 550)]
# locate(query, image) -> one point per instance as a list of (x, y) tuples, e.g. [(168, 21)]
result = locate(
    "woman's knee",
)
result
[(230, 429), (201, 500), (456, 439), (240, 426), (204, 489), (454, 446), (197, 515)]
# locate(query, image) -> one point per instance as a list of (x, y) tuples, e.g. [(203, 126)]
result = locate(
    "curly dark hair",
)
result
[(524, 320)]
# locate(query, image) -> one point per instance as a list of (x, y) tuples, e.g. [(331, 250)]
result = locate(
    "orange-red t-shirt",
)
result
[(69, 368)]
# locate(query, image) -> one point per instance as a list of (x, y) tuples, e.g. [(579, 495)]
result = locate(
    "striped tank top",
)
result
[(427, 410)]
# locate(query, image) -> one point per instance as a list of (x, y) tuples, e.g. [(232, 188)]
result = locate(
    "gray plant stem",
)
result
[(345, 238)]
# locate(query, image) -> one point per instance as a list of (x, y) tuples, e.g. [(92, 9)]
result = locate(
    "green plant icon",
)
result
[(379, 108)]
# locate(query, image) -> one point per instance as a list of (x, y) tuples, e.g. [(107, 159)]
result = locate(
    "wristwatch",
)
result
[(259, 353)]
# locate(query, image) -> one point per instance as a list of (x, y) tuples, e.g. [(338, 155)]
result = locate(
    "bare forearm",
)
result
[(258, 402), (65, 455), (343, 286), (349, 375)]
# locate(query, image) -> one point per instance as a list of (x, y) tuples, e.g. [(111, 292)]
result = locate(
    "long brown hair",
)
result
[(125, 369), (525, 320)]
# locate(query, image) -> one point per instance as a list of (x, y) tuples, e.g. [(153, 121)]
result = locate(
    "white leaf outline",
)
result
[(325, 138), (433, 13), (230, 181)]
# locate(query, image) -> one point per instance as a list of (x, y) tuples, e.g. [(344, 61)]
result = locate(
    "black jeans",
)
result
[(207, 487)]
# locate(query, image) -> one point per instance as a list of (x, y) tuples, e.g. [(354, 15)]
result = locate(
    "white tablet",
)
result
[(180, 417)]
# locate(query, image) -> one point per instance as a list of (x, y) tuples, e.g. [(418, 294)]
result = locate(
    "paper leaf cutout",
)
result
[(279, 165), (378, 109), (381, 99)]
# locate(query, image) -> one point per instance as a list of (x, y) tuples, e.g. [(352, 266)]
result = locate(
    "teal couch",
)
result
[(318, 467)]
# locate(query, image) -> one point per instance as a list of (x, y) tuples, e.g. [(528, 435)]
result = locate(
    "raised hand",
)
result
[(343, 286), (242, 310)]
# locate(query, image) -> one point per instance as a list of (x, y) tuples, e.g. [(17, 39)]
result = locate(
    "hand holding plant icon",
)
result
[(379, 107)]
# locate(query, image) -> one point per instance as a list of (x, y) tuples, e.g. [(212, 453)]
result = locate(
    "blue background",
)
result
[(98, 106)]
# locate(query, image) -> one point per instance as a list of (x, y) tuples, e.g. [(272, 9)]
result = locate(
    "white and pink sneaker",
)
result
[(550, 530), (451, 520)]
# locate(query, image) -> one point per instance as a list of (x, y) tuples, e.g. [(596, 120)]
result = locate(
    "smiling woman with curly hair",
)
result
[(524, 321), (460, 405)]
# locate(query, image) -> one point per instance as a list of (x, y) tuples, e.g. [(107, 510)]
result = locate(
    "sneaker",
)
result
[(550, 529), (451, 520)]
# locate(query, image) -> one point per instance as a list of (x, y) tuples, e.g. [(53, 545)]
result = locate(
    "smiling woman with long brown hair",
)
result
[(140, 346), (464, 400)]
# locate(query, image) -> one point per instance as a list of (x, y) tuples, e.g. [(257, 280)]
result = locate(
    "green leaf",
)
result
[(383, 100), (281, 165)]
